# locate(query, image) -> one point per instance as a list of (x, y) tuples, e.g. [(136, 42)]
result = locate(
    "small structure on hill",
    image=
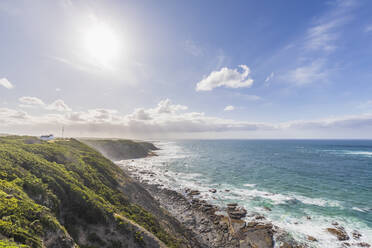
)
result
[(47, 137)]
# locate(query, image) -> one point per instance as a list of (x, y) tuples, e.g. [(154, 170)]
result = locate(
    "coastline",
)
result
[(213, 225)]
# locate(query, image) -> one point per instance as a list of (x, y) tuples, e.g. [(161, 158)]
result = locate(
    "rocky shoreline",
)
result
[(231, 225), (214, 226)]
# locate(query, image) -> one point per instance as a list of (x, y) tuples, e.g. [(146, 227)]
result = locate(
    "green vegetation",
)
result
[(63, 187), (121, 149), (8, 244)]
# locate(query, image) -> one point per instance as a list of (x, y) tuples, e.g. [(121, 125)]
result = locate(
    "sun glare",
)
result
[(101, 44)]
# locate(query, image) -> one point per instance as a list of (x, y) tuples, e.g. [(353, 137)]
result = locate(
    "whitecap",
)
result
[(364, 210), (362, 153), (245, 195)]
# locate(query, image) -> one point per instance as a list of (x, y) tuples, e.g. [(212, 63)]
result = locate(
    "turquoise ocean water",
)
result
[(328, 180)]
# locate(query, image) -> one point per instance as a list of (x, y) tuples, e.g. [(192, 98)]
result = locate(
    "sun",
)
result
[(101, 44)]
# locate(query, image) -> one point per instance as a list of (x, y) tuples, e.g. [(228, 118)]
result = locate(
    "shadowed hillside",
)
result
[(63, 193), (119, 149)]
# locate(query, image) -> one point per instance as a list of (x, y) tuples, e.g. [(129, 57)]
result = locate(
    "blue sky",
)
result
[(187, 69)]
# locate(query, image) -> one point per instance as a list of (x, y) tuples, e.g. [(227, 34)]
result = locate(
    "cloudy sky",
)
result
[(186, 69)]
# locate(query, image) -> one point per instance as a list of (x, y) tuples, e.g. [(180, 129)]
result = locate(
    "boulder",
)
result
[(259, 217), (257, 237), (311, 238), (356, 234), (194, 192), (339, 232), (363, 244), (213, 190), (237, 213), (267, 208), (233, 205)]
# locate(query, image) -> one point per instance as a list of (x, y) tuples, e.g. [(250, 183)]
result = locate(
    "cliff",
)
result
[(119, 149), (63, 193)]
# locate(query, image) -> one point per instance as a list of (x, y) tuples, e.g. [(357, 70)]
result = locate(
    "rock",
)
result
[(213, 190), (205, 230), (259, 217), (339, 232), (227, 190), (311, 238), (224, 226), (254, 237), (363, 244), (207, 207), (264, 226), (237, 213), (194, 192), (252, 224), (204, 221), (335, 223), (308, 217), (267, 208), (237, 225), (356, 234), (346, 244)]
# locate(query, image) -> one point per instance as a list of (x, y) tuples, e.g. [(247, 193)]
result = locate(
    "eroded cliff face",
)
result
[(119, 149), (63, 193)]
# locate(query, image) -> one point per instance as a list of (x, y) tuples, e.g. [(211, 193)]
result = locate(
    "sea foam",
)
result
[(249, 195)]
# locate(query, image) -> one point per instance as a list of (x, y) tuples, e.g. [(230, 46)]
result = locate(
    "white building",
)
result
[(47, 137)]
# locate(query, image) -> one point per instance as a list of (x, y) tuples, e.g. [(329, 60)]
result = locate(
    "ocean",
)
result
[(307, 184)]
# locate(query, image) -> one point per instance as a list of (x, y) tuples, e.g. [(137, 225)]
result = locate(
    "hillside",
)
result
[(65, 194), (120, 149)]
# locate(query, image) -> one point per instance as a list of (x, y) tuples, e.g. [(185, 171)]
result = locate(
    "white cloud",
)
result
[(58, 105), (229, 78), (229, 108), (30, 101), (7, 116), (154, 122), (307, 74), (268, 78), (5, 83), (322, 36), (58, 89), (165, 106), (328, 29)]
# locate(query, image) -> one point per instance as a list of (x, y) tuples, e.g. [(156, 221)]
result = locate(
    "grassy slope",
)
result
[(64, 187), (121, 149)]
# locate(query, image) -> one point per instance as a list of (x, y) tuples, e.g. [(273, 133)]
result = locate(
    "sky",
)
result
[(187, 69)]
